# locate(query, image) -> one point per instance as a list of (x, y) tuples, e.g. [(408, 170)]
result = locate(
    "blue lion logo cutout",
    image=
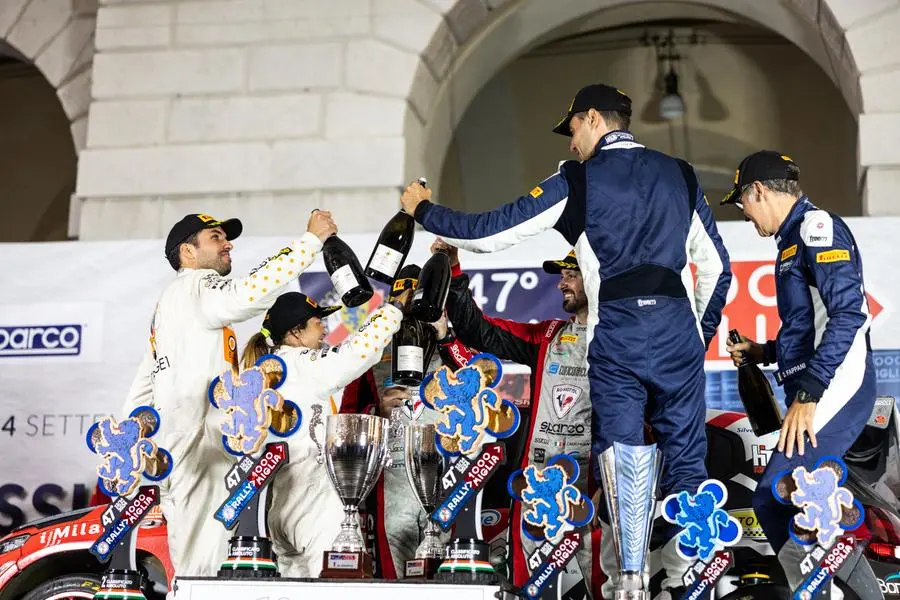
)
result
[(707, 528), (251, 402), (550, 500), (822, 501), (125, 453), (471, 412)]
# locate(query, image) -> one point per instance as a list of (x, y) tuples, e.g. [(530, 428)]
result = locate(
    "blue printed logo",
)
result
[(553, 369), (40, 340), (707, 528)]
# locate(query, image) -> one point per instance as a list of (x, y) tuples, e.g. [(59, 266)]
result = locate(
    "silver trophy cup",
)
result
[(424, 468), (355, 453), (630, 478)]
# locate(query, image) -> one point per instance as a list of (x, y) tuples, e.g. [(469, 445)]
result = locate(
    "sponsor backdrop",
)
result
[(75, 318)]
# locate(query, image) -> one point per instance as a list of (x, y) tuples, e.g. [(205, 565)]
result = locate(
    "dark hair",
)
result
[(174, 257), (785, 186), (616, 120)]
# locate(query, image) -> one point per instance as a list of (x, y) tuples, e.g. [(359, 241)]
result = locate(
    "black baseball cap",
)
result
[(555, 267), (193, 223), (290, 310), (599, 97), (762, 166)]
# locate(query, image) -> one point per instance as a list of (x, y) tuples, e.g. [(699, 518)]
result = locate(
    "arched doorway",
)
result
[(473, 45), (46, 56), (37, 175), (743, 88)]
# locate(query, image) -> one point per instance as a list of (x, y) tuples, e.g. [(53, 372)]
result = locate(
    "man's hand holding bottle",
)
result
[(745, 352)]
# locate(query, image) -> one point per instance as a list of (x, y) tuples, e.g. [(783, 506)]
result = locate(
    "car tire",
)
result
[(83, 585)]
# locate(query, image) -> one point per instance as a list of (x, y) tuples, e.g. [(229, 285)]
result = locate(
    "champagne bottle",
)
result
[(409, 343), (392, 247), (431, 292), (756, 395), (345, 272), (408, 353)]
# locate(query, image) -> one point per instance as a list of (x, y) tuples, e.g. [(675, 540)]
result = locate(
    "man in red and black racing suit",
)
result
[(558, 419)]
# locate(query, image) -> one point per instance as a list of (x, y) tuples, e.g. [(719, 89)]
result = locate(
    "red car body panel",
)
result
[(78, 534)]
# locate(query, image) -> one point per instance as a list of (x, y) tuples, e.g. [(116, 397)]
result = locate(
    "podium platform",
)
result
[(211, 588)]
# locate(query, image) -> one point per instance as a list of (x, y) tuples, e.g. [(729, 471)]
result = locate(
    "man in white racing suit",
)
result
[(190, 343)]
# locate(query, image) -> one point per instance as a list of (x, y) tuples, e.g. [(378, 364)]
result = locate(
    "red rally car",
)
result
[(49, 559)]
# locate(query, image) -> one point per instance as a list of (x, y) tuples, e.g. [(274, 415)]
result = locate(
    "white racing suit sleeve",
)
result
[(511, 224), (707, 251), (141, 391), (331, 369), (306, 513), (224, 301)]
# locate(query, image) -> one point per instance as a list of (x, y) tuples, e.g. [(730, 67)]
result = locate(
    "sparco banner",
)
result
[(75, 320)]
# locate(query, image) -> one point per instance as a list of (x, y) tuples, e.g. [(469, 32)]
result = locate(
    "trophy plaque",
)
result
[(355, 454), (553, 511), (827, 511), (630, 476), (128, 453), (707, 531), (254, 408), (472, 417), (424, 468)]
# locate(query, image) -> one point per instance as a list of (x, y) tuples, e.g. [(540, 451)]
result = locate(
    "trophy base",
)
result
[(120, 583), (633, 595), (249, 557), (347, 565), (421, 568), (468, 562)]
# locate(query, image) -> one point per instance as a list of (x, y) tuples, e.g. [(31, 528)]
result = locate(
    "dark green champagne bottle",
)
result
[(392, 247), (757, 396), (345, 272)]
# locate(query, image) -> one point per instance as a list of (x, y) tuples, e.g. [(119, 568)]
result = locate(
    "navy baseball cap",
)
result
[(597, 96), (193, 223), (764, 165)]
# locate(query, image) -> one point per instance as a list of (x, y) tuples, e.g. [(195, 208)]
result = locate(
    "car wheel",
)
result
[(65, 587)]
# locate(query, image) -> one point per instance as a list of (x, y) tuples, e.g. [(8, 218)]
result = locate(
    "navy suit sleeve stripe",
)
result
[(504, 226)]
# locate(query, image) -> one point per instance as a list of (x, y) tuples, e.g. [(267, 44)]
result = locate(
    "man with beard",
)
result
[(558, 420), (191, 342)]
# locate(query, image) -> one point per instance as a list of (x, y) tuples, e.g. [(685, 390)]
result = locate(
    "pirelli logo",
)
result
[(789, 252), (832, 256)]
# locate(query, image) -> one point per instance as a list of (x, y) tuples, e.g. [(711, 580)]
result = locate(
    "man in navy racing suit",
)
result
[(822, 350), (628, 211)]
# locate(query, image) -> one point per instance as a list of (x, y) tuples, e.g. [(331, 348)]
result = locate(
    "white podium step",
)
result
[(210, 588)]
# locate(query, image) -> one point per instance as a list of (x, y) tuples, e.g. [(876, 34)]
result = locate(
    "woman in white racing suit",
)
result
[(306, 513)]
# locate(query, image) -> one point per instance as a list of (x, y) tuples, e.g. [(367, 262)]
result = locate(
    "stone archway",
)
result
[(57, 36), (49, 45), (475, 38)]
